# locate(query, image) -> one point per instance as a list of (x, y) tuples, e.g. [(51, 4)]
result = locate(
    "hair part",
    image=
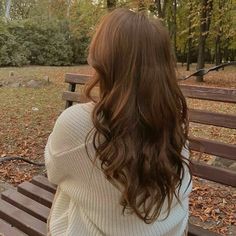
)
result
[(140, 119)]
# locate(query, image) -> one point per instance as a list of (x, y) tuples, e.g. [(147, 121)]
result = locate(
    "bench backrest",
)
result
[(216, 148)]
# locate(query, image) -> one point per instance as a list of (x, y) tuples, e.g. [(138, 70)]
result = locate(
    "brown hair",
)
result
[(140, 119)]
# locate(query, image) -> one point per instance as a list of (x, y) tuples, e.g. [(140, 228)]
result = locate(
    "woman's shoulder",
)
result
[(72, 127), (79, 110), (75, 116)]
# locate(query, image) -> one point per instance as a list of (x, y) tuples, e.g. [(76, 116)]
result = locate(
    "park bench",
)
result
[(24, 211)]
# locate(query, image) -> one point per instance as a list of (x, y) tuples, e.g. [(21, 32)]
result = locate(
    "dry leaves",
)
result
[(214, 205)]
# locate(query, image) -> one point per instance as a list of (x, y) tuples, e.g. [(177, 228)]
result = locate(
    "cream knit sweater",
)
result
[(86, 204)]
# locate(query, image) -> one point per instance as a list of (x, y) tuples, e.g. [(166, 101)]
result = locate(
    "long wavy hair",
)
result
[(140, 119)]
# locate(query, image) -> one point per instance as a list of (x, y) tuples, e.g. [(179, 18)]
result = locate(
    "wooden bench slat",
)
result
[(71, 96), (22, 220), (209, 93), (38, 194), (198, 231), (7, 230), (75, 97), (216, 148), (42, 182), (213, 173), (212, 118), (26, 204), (191, 91), (76, 78)]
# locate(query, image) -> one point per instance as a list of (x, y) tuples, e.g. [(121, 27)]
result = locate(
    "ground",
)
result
[(28, 114)]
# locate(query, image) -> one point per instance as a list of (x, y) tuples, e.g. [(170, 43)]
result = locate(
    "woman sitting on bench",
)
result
[(121, 162)]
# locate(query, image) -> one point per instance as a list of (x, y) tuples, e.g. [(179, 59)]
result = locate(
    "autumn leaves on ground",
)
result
[(28, 114)]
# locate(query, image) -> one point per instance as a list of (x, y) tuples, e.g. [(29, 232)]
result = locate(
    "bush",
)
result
[(80, 49), (12, 53), (45, 42), (36, 43)]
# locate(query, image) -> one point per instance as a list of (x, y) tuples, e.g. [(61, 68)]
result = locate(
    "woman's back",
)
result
[(86, 202)]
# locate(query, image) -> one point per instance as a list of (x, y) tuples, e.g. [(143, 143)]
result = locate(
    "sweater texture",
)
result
[(86, 203)]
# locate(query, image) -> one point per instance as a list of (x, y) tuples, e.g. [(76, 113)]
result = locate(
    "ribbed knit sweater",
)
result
[(86, 203)]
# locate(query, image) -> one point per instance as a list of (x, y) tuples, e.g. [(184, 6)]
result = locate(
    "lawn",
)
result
[(27, 117)]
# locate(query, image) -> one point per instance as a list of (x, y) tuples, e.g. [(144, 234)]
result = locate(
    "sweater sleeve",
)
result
[(70, 131), (186, 188), (55, 173)]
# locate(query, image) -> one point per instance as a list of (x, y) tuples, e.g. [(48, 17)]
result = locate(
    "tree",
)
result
[(161, 7), (189, 35), (174, 23), (2, 7), (222, 29), (111, 4), (69, 3), (8, 8), (171, 20), (205, 20)]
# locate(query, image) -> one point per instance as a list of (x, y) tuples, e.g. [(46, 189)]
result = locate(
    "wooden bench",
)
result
[(24, 211)]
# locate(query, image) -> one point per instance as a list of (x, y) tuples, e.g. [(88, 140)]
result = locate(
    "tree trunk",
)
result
[(204, 29), (218, 54), (111, 4), (175, 24), (184, 53), (1, 9), (49, 9), (189, 38), (161, 7), (217, 51), (8, 8), (68, 8), (189, 52)]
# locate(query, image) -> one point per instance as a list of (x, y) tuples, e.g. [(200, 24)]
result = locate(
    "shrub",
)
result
[(43, 43), (47, 44), (40, 41), (12, 53)]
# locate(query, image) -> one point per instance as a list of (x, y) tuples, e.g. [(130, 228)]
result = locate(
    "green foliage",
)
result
[(12, 52), (58, 32), (40, 43), (47, 42), (52, 37), (83, 17)]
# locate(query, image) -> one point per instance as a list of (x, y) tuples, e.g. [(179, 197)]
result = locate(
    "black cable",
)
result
[(3, 159)]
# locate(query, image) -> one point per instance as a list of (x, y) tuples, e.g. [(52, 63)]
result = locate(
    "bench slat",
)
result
[(212, 118), (208, 93), (71, 96), (42, 182), (26, 204), (22, 220), (38, 194), (213, 147), (198, 231), (191, 91), (76, 78), (7, 230), (213, 173)]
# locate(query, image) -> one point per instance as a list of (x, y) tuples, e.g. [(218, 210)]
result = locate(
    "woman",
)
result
[(121, 163)]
